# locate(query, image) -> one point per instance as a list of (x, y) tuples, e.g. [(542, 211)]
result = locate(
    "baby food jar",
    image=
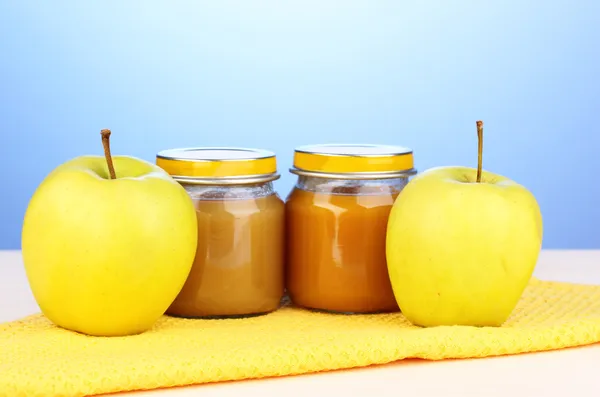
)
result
[(238, 270), (336, 220)]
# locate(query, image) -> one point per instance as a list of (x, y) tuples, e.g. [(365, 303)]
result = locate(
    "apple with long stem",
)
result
[(108, 242), (462, 245)]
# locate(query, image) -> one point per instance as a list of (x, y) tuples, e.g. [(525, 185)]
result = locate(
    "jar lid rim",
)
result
[(354, 150), (353, 159), (213, 162), (204, 153)]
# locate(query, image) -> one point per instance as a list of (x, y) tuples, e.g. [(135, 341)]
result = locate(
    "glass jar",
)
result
[(238, 270), (336, 223)]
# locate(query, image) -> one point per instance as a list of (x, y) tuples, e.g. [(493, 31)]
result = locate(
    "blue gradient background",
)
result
[(277, 74)]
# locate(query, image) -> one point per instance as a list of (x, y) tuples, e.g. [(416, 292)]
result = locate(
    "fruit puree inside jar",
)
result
[(239, 264), (336, 234), (238, 269)]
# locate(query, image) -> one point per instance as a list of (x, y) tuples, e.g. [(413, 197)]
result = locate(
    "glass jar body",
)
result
[(335, 244), (238, 270)]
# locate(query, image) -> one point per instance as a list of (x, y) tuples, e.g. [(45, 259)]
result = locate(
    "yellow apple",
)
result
[(459, 251), (108, 256)]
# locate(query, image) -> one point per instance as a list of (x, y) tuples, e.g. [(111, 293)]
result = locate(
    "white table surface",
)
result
[(568, 372)]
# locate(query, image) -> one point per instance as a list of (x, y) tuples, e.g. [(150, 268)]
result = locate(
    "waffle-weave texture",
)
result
[(39, 359)]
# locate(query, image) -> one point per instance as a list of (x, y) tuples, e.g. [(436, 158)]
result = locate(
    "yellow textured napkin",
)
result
[(39, 359)]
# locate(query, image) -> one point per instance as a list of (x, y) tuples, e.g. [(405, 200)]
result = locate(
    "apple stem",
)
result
[(106, 143), (479, 149)]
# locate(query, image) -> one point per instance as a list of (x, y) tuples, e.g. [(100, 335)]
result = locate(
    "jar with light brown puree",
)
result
[(336, 217), (239, 263)]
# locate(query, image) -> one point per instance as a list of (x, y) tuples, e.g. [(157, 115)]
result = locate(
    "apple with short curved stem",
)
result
[(141, 225), (462, 246)]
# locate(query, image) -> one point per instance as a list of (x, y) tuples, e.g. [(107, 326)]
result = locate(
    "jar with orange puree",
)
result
[(238, 270), (336, 221)]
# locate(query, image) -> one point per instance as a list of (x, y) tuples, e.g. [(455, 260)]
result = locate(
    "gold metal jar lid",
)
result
[(219, 165), (353, 161)]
